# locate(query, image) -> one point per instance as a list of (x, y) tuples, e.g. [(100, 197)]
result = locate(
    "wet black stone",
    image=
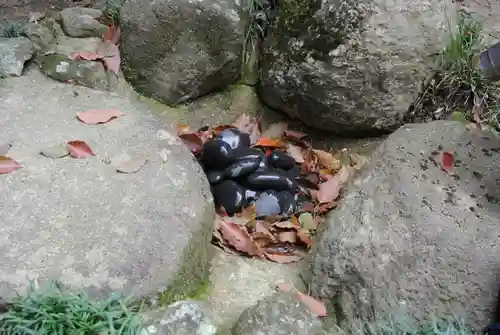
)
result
[(241, 168), (250, 196), (234, 137), (281, 160), (215, 177), (217, 155), (244, 153), (267, 204), (230, 195), (268, 181)]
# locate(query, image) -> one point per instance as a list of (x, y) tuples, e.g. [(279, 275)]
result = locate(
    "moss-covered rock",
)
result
[(350, 66), (177, 50), (80, 72)]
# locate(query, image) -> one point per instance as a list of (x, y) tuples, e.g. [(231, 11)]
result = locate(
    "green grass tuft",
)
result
[(113, 10), (399, 326), (12, 30), (54, 311), (459, 84)]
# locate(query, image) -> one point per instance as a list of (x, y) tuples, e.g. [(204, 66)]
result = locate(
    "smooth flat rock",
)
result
[(82, 222), (82, 22), (414, 239)]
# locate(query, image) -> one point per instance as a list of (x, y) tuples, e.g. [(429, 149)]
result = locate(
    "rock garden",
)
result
[(257, 167)]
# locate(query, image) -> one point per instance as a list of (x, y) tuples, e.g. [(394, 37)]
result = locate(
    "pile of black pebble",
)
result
[(241, 176)]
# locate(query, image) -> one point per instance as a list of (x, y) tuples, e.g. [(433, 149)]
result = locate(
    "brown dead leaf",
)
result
[(182, 128), (79, 149), (295, 152), (8, 165), (268, 143), (330, 190), (84, 55), (288, 224), (314, 305), (275, 131), (110, 56), (129, 163), (112, 34), (283, 259), (287, 236), (327, 160), (262, 229), (238, 237), (95, 116), (294, 134), (193, 142)]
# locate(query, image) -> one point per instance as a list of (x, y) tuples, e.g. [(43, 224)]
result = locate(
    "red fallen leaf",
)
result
[(237, 236), (314, 305), (275, 130), (95, 116), (268, 143), (193, 141), (330, 190), (79, 149), (446, 160), (294, 134), (110, 55), (84, 55), (112, 34), (7, 165)]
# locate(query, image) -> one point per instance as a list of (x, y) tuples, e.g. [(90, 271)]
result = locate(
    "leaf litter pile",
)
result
[(271, 188)]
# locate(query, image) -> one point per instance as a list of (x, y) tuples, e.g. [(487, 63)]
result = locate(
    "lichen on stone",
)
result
[(316, 27)]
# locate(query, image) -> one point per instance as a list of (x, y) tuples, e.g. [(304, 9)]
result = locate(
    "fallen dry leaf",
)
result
[(268, 143), (275, 131), (283, 259), (303, 235), (295, 152), (110, 56), (182, 128), (327, 160), (446, 160), (287, 236), (79, 149), (95, 116), (193, 141), (4, 148), (84, 55), (330, 190), (288, 224), (57, 151), (7, 165), (238, 237), (129, 163), (294, 134), (314, 305), (112, 35)]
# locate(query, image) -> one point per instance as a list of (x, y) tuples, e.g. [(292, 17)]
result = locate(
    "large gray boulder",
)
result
[(177, 50), (411, 238), (14, 52), (351, 67), (81, 221)]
